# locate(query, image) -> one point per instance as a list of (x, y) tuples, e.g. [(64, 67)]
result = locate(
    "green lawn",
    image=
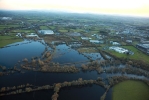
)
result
[(5, 40), (130, 90)]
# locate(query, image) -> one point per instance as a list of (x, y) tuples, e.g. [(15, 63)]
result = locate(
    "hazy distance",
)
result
[(119, 7)]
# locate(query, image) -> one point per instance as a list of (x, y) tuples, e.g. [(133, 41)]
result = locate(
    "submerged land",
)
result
[(61, 51)]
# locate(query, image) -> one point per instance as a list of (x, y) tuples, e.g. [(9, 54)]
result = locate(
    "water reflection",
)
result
[(11, 55)]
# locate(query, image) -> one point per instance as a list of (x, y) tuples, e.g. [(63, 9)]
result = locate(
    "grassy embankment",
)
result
[(130, 90), (5, 40)]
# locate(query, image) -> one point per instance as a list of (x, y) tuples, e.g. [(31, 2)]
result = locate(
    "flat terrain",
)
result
[(130, 90), (138, 55), (5, 40)]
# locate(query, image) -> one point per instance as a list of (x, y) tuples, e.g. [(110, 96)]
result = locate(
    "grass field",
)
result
[(138, 55), (5, 40), (23, 31), (130, 90), (63, 31), (8, 26), (44, 28), (52, 27)]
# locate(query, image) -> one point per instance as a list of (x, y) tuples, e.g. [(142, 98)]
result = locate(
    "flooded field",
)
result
[(85, 73), (12, 55)]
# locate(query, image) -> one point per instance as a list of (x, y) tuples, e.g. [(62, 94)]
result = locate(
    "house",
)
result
[(46, 32)]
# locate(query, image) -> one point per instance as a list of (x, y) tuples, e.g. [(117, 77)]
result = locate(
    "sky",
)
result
[(120, 7)]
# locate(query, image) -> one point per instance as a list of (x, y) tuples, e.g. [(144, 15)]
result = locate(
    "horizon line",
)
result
[(69, 11)]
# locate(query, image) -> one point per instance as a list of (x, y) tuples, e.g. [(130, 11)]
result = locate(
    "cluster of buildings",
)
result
[(6, 18), (98, 40)]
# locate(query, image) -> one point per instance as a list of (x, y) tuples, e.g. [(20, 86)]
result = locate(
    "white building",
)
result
[(6, 18), (85, 38), (115, 43), (46, 32), (32, 35), (118, 49), (95, 41)]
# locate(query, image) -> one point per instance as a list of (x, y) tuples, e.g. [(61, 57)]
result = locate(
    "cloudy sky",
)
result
[(126, 7)]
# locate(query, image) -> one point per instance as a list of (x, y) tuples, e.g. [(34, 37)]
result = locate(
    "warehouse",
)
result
[(118, 49), (143, 47), (46, 32)]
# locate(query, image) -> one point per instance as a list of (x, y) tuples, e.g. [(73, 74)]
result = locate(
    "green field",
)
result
[(138, 55), (33, 20), (44, 28), (78, 30), (52, 27), (8, 26), (23, 31), (63, 30), (5, 40), (130, 90), (43, 20)]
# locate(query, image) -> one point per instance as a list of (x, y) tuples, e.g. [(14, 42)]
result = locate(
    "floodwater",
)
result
[(10, 55)]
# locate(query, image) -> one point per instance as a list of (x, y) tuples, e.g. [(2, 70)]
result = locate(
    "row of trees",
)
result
[(57, 86)]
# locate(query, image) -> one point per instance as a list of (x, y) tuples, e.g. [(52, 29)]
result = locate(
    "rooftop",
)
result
[(144, 45)]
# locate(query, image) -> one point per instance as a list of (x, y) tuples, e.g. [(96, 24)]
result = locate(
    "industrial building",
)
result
[(118, 49), (46, 32), (85, 38), (143, 47), (95, 41)]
